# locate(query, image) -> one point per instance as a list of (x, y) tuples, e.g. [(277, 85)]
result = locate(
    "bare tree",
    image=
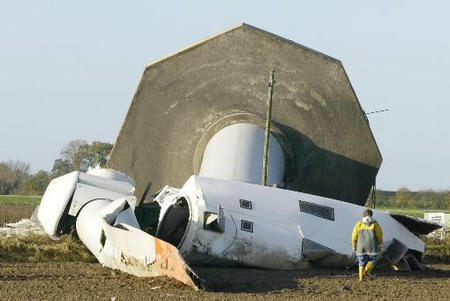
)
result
[(7, 179), (73, 152), (21, 171)]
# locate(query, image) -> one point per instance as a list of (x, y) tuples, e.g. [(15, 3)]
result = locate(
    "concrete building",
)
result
[(184, 100)]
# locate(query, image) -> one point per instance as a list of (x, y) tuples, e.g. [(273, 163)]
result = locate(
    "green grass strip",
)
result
[(20, 200)]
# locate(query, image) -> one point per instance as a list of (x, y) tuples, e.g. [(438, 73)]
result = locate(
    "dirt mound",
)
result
[(33, 248)]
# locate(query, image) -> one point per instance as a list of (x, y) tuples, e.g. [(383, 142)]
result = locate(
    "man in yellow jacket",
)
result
[(367, 243)]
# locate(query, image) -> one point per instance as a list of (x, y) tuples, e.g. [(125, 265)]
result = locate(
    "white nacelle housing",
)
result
[(66, 195), (267, 227)]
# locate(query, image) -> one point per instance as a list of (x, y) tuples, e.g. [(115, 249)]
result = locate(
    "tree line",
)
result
[(405, 198), (15, 177)]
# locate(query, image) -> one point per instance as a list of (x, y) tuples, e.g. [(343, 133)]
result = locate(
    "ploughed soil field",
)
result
[(90, 281), (27, 274)]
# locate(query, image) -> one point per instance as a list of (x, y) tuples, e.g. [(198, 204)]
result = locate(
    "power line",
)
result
[(379, 111)]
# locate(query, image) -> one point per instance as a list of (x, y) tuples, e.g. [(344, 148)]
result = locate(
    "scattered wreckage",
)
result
[(197, 122), (213, 222)]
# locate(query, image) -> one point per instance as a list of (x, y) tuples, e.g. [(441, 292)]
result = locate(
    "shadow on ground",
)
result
[(246, 280)]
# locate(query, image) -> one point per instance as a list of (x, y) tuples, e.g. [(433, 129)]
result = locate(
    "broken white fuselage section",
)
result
[(100, 207), (206, 222), (238, 223)]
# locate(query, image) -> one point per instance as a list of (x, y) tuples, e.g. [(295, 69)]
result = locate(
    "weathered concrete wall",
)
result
[(184, 99)]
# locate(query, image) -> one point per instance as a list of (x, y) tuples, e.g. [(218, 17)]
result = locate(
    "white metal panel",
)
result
[(89, 227), (438, 217), (108, 184), (85, 193), (337, 234), (280, 209), (111, 174), (236, 153), (127, 248), (273, 242), (55, 200)]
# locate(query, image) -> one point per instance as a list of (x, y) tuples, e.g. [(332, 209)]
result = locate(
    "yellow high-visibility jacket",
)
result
[(367, 238)]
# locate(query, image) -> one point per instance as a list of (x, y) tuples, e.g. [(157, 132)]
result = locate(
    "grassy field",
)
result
[(31, 200), (436, 250), (40, 248), (15, 207), (411, 212)]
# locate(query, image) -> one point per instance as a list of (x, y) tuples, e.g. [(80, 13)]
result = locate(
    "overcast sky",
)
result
[(68, 69)]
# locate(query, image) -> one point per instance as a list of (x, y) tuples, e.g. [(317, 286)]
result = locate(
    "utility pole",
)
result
[(267, 133)]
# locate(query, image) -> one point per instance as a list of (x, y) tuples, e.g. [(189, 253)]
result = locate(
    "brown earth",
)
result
[(14, 213), (87, 281)]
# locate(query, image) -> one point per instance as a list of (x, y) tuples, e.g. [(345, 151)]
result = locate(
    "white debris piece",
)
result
[(443, 218), (100, 206), (22, 228)]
